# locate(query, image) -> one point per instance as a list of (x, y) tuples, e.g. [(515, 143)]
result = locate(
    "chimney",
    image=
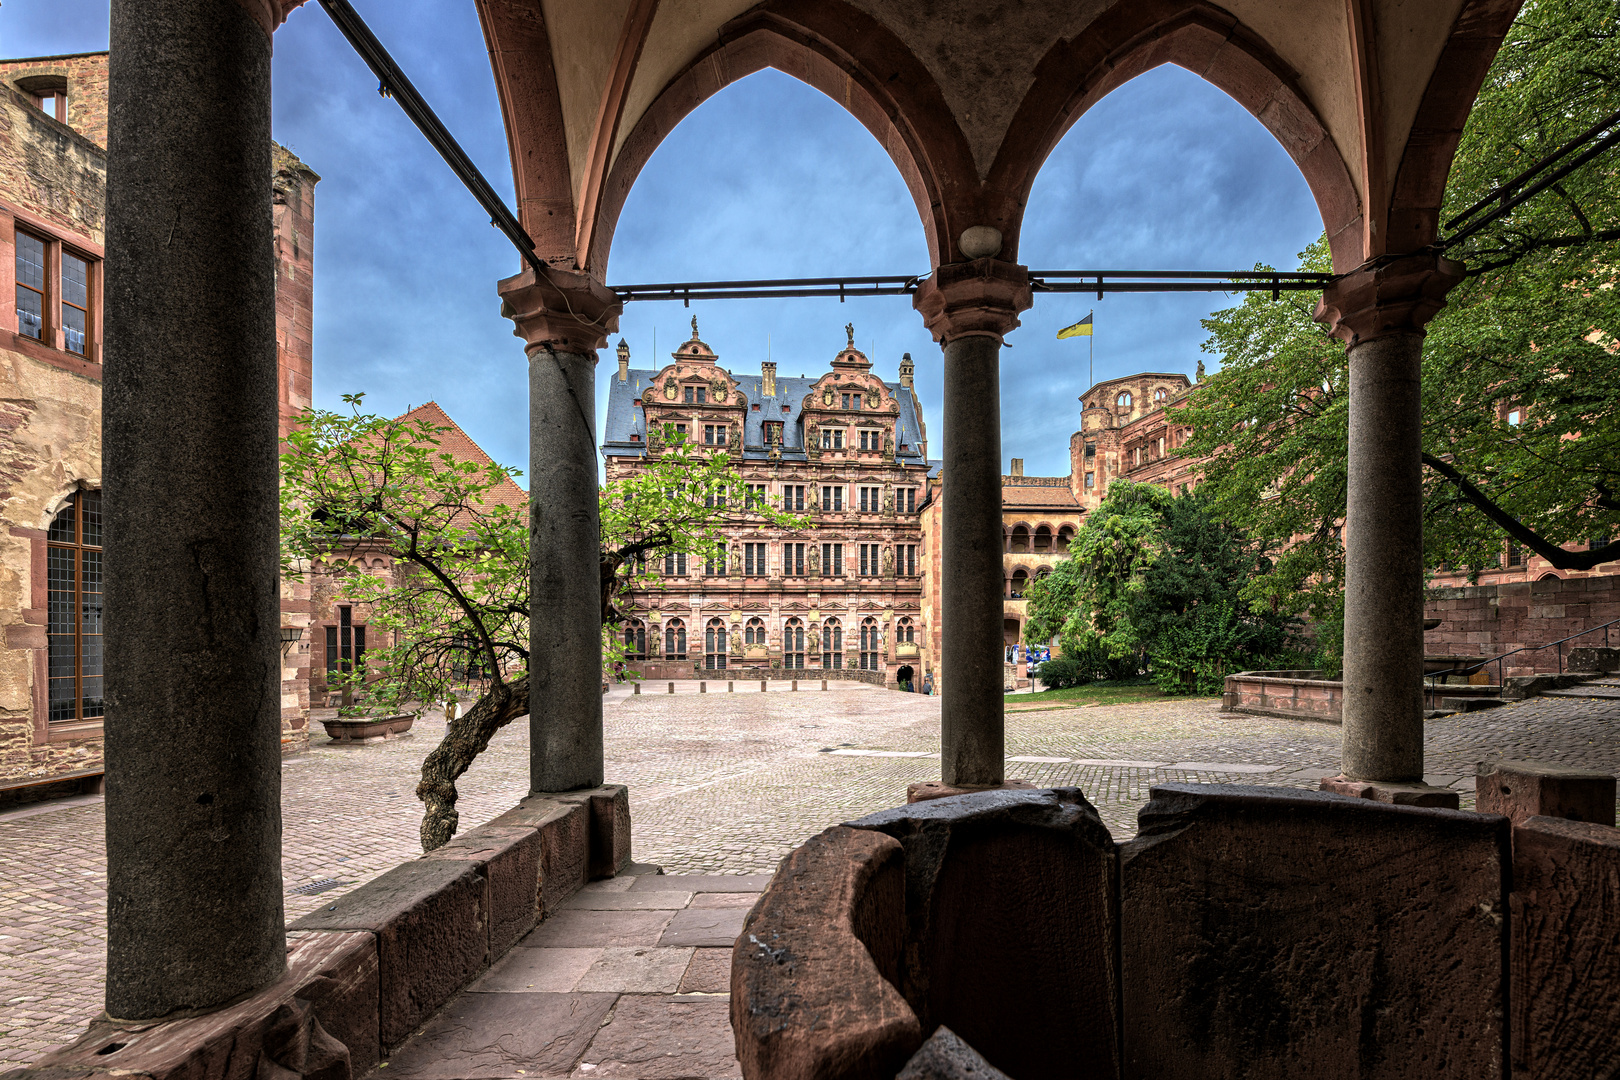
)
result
[(767, 370), (624, 360), (1018, 466), (906, 370)]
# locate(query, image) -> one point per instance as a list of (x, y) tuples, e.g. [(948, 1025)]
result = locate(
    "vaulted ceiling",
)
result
[(970, 96)]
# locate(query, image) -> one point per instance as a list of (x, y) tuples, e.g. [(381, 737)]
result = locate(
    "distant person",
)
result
[(903, 678), (928, 683)]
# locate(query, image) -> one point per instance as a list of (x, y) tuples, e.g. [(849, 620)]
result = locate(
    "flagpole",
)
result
[(1091, 344)]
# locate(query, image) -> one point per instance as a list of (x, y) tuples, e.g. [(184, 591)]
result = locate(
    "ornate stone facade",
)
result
[(846, 449)]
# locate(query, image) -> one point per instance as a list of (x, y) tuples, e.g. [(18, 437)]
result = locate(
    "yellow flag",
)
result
[(1079, 329)]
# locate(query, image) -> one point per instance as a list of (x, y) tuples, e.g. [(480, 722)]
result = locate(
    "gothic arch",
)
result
[(1131, 39)]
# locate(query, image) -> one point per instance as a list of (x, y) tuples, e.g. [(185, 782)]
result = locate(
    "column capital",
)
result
[(270, 14), (568, 311), (979, 298), (1392, 294)]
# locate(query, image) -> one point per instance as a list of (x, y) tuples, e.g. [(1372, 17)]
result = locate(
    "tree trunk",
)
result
[(464, 739)]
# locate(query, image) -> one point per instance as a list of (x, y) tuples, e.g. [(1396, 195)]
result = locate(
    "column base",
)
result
[(938, 789), (1400, 794)]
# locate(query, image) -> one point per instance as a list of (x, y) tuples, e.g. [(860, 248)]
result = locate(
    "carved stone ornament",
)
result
[(736, 642), (888, 498), (717, 389), (894, 407), (827, 396), (736, 438), (888, 561), (888, 445), (815, 554), (671, 391), (813, 640)]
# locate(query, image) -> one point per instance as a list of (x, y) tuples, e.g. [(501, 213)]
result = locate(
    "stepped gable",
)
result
[(459, 445)]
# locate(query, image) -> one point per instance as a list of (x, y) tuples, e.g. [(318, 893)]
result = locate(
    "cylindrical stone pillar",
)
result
[(565, 602), (972, 716), (193, 665), (1383, 538)]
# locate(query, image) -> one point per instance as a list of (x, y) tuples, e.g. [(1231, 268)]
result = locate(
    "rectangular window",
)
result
[(832, 560), (756, 496), (754, 560), (74, 611), (1091, 450), (715, 499), (30, 286), (75, 302), (680, 432), (871, 440), (345, 643), (856, 402), (690, 396), (832, 497), (675, 565), (715, 565), (793, 498), (910, 495), (846, 401), (1091, 480), (910, 557), (793, 560), (838, 438), (864, 508)]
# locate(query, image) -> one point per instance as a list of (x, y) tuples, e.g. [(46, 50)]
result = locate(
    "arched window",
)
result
[(714, 645), (871, 648), (793, 644), (1020, 582), (1043, 538), (1124, 400), (73, 637), (1065, 533), (832, 644), (1020, 538), (754, 632), (675, 640), (905, 630), (635, 640), (1161, 394)]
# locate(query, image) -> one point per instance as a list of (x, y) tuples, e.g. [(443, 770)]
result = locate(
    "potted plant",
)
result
[(362, 716)]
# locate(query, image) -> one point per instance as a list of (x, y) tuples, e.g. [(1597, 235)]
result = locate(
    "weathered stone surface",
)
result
[(541, 971), (697, 883), (708, 927), (1396, 794), (602, 900), (610, 830), (708, 973), (511, 862), (1594, 659), (503, 1035), (946, 1057), (651, 1038), (724, 900), (570, 929), (626, 969), (1524, 789), (813, 975), (1276, 933), (565, 830), (1011, 926), (1566, 920), (279, 1033), (432, 935), (938, 789)]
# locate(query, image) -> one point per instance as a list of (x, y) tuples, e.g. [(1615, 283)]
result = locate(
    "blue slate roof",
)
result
[(625, 420)]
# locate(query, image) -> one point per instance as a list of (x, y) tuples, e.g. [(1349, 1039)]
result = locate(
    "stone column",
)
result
[(193, 668), (564, 318), (1380, 310), (969, 307)]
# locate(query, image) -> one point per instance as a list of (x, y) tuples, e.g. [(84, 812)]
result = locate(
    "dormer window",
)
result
[(696, 395)]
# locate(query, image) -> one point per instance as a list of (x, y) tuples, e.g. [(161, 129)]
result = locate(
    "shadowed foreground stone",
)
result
[(812, 976), (1566, 921), (1011, 926), (490, 1036), (432, 936), (511, 861), (1273, 933), (946, 1057), (1524, 789)]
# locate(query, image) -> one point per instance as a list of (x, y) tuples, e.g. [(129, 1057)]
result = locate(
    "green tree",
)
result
[(1156, 579), (458, 594), (1521, 374)]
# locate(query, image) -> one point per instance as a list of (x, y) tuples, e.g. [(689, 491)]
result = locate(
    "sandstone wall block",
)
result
[(813, 993), (511, 862), (1012, 923), (432, 930), (565, 834), (1523, 789), (1268, 932), (1566, 920)]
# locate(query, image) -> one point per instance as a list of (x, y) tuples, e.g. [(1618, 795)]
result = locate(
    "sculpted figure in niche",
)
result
[(736, 438), (813, 640), (888, 498), (655, 640), (888, 445), (815, 553), (736, 641), (888, 561)]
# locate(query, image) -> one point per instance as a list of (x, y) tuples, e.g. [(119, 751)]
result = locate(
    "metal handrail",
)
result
[(1497, 660)]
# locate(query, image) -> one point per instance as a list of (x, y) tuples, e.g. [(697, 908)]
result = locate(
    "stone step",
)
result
[(1606, 691), (1470, 704)]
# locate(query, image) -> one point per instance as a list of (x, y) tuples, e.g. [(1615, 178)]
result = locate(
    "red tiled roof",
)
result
[(460, 445), (1019, 495)]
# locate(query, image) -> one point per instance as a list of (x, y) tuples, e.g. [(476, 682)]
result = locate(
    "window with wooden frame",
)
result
[(345, 643), (55, 288), (73, 636)]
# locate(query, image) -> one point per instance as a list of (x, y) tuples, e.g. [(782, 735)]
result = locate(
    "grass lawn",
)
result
[(1122, 692)]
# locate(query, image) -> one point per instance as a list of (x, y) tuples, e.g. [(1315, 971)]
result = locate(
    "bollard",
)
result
[(703, 687), (762, 686), (636, 688), (731, 687), (824, 684), (672, 688), (795, 684)]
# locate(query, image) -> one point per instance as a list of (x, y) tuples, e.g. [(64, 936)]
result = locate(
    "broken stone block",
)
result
[(1301, 933), (1566, 920), (812, 976), (1524, 789), (937, 789), (1400, 794), (946, 1057), (432, 936), (1011, 926)]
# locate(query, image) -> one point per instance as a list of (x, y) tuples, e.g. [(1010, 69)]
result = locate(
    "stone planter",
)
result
[(368, 729)]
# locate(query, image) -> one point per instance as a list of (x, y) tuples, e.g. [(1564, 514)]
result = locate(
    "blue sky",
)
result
[(767, 179)]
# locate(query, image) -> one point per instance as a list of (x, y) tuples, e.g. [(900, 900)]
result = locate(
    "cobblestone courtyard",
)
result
[(719, 784)]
